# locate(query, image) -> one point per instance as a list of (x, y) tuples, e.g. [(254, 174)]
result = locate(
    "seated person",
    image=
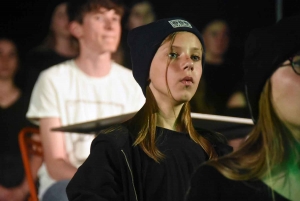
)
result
[(266, 167), (86, 88), (58, 46), (220, 74), (140, 13), (152, 156), (13, 107)]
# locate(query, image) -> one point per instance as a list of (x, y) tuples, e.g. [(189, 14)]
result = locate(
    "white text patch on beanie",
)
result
[(180, 23)]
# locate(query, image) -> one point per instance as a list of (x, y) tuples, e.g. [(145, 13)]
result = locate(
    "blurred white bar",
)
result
[(222, 118)]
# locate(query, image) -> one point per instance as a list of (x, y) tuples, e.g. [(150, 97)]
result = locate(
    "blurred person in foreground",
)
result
[(267, 166)]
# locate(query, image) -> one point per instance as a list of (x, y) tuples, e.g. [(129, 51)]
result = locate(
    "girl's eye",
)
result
[(99, 17), (173, 55), (195, 58)]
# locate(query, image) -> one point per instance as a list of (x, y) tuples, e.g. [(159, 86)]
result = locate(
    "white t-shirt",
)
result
[(66, 92)]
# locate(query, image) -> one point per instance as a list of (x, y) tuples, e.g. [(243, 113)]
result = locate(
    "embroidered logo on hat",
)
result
[(180, 23)]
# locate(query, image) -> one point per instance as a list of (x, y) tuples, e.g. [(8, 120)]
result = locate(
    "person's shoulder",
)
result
[(58, 70), (207, 170), (125, 76), (212, 136), (38, 51), (204, 173), (218, 141), (118, 135), (117, 68)]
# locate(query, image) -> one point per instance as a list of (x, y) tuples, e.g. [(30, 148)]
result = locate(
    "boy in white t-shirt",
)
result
[(89, 87)]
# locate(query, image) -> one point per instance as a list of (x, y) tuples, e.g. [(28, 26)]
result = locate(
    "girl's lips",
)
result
[(187, 81)]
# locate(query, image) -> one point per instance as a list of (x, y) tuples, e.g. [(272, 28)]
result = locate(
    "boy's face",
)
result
[(100, 31)]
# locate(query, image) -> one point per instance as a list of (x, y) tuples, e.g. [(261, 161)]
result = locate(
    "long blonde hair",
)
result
[(268, 146), (144, 123)]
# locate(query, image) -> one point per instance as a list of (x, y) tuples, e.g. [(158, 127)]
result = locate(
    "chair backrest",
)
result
[(30, 144)]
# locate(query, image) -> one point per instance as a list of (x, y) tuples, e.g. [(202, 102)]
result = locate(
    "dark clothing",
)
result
[(183, 155), (117, 170), (38, 60), (209, 184), (220, 81), (12, 120), (242, 112)]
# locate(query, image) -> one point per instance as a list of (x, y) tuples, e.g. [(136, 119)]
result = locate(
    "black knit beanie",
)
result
[(144, 41), (265, 49)]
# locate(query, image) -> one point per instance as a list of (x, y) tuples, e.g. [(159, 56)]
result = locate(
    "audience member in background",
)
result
[(58, 46), (13, 107), (220, 76), (140, 13), (267, 166), (86, 88), (152, 156)]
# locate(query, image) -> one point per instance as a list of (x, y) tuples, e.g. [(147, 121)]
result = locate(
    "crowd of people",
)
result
[(91, 65)]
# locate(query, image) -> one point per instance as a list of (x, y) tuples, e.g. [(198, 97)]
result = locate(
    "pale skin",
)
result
[(9, 93), (183, 76), (285, 99), (98, 37), (286, 96)]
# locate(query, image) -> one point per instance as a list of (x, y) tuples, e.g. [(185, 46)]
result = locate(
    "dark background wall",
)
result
[(27, 20)]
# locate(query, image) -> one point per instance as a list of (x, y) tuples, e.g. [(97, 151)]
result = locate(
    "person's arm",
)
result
[(99, 178), (237, 100), (55, 155), (18, 193)]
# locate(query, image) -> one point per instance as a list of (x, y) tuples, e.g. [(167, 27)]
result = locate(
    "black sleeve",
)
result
[(204, 185), (99, 177)]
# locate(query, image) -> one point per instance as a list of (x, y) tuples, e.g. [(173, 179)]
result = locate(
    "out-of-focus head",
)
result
[(285, 82), (8, 58), (96, 23), (169, 52), (268, 55), (216, 37), (140, 14), (77, 9), (59, 21)]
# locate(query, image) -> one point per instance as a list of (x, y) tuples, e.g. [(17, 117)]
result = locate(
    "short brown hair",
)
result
[(78, 8)]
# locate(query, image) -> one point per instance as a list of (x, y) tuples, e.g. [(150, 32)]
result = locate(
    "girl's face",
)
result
[(176, 69), (140, 14), (216, 38), (286, 95), (60, 21), (8, 59)]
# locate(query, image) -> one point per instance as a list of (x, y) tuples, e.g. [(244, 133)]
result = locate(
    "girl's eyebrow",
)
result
[(193, 48)]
